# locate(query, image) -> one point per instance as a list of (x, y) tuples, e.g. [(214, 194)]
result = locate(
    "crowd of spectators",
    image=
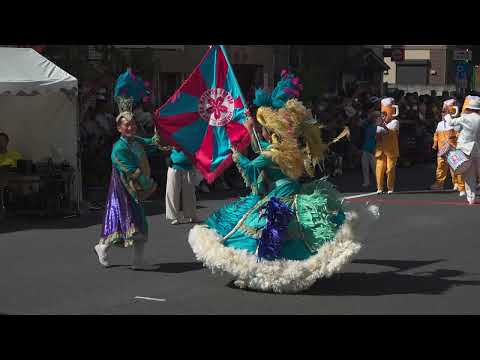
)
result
[(418, 117)]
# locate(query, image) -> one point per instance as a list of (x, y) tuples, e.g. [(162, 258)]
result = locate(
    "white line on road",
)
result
[(149, 298), (359, 196)]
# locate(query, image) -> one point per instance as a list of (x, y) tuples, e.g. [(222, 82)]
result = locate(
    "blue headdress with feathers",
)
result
[(129, 86), (288, 87)]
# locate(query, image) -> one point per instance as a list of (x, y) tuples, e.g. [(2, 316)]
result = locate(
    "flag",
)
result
[(205, 116)]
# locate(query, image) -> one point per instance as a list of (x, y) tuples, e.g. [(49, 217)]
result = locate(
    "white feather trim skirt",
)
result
[(281, 276)]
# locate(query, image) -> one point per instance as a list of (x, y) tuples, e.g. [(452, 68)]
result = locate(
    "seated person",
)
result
[(7, 157)]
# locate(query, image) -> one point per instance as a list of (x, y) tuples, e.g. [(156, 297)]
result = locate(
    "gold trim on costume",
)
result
[(114, 238), (250, 231), (244, 217)]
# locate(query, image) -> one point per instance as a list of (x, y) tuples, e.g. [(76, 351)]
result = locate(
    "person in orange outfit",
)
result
[(386, 152), (443, 135)]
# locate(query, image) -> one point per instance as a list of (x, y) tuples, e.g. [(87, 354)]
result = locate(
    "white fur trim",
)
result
[(281, 276)]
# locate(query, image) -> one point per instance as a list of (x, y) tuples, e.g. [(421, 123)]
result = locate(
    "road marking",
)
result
[(418, 202), (426, 192), (149, 298), (359, 196)]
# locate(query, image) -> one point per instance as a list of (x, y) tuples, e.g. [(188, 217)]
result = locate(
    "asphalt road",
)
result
[(421, 258)]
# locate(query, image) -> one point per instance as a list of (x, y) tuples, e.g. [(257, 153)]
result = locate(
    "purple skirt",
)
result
[(124, 219)]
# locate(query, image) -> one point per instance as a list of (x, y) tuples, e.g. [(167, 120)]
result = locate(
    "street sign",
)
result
[(398, 55), (463, 55)]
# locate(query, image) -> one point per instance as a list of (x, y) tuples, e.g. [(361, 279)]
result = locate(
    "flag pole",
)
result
[(241, 96)]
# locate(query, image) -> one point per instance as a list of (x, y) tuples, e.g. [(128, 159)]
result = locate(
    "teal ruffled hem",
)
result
[(317, 217), (319, 213)]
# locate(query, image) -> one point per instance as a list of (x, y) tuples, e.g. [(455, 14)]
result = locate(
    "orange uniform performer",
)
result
[(386, 151)]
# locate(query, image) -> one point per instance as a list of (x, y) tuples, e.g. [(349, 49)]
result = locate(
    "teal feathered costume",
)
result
[(286, 234)]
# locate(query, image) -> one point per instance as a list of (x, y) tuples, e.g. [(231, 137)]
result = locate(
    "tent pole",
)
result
[(77, 182)]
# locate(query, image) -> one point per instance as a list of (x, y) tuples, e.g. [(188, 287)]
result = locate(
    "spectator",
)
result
[(7, 157), (104, 117), (369, 126)]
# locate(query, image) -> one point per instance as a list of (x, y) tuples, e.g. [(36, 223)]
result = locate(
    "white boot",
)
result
[(101, 251), (138, 249)]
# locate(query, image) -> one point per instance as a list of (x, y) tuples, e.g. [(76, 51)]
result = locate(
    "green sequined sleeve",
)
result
[(252, 171), (152, 145)]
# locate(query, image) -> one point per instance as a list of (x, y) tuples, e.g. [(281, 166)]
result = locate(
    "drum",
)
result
[(458, 161)]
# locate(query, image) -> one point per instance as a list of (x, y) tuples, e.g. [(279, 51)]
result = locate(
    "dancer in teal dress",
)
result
[(125, 223), (286, 234)]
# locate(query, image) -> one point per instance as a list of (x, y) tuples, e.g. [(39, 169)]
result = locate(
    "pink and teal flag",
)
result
[(204, 116)]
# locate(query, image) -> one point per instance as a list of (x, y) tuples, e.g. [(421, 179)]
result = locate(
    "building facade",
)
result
[(167, 66), (322, 68), (424, 68), (338, 68)]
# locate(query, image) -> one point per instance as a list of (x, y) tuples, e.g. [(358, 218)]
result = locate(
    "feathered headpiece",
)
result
[(288, 87), (297, 138), (130, 89)]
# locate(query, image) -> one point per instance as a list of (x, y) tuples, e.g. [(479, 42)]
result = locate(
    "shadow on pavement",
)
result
[(90, 218), (175, 268), (386, 282), (390, 282), (400, 265), (416, 178)]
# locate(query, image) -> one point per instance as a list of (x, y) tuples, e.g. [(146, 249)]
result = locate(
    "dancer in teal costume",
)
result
[(319, 234), (305, 233)]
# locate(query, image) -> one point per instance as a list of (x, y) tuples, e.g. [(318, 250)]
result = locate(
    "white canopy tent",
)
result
[(39, 109)]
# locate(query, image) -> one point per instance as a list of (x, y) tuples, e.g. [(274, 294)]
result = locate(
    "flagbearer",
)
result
[(445, 134), (386, 152), (180, 184)]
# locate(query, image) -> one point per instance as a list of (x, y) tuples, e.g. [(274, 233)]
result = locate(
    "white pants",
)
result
[(470, 177), (180, 182), (368, 162)]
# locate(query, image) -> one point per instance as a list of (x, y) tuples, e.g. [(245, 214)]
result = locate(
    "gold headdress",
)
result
[(125, 107), (297, 144)]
